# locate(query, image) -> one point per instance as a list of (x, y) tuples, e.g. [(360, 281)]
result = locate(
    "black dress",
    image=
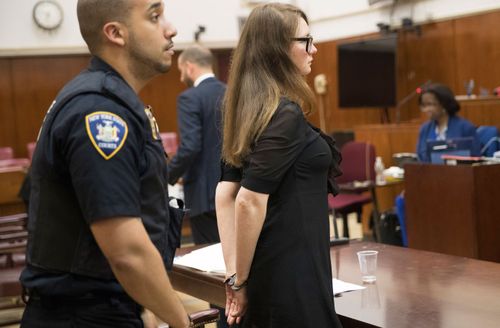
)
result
[(290, 280)]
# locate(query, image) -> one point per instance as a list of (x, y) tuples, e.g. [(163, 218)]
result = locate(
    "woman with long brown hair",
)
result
[(271, 204)]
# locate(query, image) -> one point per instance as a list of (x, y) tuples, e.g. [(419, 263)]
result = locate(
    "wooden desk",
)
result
[(388, 139), (454, 209), (414, 288)]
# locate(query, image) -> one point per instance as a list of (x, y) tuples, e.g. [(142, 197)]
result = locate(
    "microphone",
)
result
[(418, 90), (421, 87)]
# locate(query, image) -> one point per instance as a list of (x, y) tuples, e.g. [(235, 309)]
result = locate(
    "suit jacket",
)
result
[(457, 128), (198, 157)]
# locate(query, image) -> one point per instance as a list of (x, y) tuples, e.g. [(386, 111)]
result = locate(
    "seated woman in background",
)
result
[(439, 103)]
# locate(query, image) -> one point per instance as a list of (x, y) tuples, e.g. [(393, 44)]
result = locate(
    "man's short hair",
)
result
[(198, 55), (94, 14)]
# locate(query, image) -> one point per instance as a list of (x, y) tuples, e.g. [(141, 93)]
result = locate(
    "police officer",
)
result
[(99, 203)]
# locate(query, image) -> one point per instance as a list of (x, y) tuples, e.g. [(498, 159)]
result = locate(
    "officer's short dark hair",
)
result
[(444, 95), (198, 55), (94, 14)]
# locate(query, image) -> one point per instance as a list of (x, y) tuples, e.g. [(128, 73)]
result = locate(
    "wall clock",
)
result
[(48, 15)]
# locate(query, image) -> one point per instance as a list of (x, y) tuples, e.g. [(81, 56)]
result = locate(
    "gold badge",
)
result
[(155, 131)]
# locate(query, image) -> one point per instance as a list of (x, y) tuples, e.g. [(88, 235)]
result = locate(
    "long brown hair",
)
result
[(261, 73)]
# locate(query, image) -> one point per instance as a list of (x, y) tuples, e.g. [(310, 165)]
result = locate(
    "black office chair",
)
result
[(488, 140)]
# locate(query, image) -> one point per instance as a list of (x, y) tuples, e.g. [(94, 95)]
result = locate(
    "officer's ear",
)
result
[(115, 32)]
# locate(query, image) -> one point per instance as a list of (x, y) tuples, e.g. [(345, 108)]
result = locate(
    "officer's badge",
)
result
[(155, 130), (107, 131), (41, 127)]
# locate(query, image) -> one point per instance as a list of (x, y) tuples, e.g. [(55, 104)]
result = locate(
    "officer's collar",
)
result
[(114, 83), (98, 64)]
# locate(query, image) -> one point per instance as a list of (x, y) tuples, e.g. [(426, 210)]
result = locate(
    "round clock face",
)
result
[(47, 14)]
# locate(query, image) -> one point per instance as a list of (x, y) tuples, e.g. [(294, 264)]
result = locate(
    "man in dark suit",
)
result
[(198, 157)]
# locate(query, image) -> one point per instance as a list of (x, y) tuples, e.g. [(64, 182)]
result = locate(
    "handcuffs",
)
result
[(231, 283)]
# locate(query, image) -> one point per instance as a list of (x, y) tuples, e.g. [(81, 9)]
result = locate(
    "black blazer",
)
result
[(198, 156)]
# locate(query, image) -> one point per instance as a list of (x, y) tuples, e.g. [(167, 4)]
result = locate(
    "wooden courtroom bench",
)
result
[(13, 240)]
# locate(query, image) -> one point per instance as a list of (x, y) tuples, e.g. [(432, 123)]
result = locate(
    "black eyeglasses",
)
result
[(308, 40)]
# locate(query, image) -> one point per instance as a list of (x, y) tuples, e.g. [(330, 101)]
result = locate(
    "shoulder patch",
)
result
[(107, 132)]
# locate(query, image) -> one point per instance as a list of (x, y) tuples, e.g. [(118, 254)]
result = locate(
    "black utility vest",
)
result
[(60, 240)]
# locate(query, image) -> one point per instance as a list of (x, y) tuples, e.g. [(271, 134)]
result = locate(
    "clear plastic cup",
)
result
[(368, 265)]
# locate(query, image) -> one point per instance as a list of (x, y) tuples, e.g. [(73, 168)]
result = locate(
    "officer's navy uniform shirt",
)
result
[(125, 177)]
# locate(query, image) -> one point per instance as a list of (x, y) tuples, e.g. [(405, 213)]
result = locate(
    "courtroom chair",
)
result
[(358, 178), (30, 146), (10, 287), (13, 239), (170, 142), (11, 162), (342, 137), (488, 140), (6, 153), (11, 297)]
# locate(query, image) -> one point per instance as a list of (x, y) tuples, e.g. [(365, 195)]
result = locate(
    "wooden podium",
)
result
[(454, 209)]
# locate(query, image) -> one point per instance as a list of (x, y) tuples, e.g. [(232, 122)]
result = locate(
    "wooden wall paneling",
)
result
[(403, 139), (36, 82), (222, 63), (449, 52), (429, 56), (403, 89), (324, 62), (7, 116), (481, 111), (377, 135), (161, 93), (477, 44), (389, 139)]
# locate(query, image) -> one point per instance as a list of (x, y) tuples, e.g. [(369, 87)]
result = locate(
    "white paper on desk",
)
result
[(208, 259), (340, 286)]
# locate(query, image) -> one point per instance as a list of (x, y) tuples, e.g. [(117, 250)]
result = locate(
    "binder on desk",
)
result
[(457, 147), (457, 160)]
